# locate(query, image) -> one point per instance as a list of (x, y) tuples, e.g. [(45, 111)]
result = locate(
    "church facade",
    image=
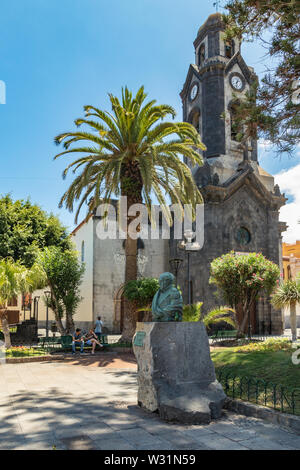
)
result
[(241, 203)]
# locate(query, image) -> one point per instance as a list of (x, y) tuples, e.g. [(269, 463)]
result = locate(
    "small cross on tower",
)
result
[(216, 4)]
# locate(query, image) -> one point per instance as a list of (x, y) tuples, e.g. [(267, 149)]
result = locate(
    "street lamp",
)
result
[(36, 307), (47, 295), (189, 247), (175, 263)]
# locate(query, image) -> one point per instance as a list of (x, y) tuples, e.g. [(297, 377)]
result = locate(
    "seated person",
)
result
[(91, 340), (77, 340)]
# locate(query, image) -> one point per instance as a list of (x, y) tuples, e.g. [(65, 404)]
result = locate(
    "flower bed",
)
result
[(24, 351)]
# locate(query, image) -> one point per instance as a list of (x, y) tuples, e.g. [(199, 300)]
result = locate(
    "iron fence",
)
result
[(259, 391)]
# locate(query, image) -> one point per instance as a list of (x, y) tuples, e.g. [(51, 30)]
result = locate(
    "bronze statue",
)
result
[(167, 302)]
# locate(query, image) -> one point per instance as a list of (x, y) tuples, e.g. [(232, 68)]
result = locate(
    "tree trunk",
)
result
[(129, 324), (241, 329), (5, 327), (131, 187), (60, 326), (70, 327), (293, 318)]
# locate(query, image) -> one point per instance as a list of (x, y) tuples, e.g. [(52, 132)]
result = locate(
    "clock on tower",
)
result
[(211, 91)]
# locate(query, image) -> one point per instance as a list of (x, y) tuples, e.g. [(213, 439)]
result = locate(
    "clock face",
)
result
[(236, 82), (194, 92)]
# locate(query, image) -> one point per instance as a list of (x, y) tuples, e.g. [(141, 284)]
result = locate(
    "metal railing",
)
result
[(259, 391)]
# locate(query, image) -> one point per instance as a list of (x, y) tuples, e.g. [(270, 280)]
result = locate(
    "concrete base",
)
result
[(176, 375)]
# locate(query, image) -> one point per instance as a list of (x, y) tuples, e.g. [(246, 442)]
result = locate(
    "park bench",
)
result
[(224, 334), (66, 343), (49, 343)]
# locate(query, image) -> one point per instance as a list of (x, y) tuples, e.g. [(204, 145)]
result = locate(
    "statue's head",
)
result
[(166, 280)]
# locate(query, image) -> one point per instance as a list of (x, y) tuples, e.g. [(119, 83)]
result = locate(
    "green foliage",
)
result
[(215, 316), (238, 276), (16, 279), (64, 274), (275, 117), (286, 293), (270, 344), (141, 291), (24, 351), (192, 312), (25, 228), (276, 367), (218, 315), (131, 151)]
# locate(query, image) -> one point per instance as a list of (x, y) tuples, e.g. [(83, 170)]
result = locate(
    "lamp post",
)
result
[(189, 247), (47, 295), (175, 263), (36, 307)]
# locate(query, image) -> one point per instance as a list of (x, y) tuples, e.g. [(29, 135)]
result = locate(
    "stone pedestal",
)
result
[(176, 375)]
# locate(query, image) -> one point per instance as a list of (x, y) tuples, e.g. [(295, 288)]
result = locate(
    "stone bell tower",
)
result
[(241, 202)]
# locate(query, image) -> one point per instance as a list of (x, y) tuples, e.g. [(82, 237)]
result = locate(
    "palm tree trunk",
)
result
[(131, 187), (130, 274), (6, 331), (293, 318)]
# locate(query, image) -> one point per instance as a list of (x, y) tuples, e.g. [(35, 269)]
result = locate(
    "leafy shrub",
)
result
[(141, 291), (240, 279), (213, 317), (192, 312), (271, 344)]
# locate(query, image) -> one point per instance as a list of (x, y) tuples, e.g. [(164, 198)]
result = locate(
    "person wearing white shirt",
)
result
[(98, 327)]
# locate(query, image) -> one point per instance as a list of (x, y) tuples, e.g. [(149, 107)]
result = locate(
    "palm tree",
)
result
[(217, 315), (287, 294), (131, 152), (15, 279)]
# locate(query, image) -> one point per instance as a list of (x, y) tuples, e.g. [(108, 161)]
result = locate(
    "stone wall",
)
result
[(222, 220)]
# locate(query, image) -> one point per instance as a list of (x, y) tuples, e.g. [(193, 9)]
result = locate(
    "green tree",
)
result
[(141, 292), (131, 152), (63, 272), (287, 294), (275, 23), (15, 279), (25, 228), (241, 278)]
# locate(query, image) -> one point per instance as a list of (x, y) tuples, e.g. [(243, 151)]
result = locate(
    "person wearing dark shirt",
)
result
[(77, 340)]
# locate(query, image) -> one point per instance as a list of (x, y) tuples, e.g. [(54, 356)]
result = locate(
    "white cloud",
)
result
[(289, 183)]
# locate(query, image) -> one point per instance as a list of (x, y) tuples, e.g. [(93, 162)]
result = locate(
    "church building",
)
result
[(241, 203)]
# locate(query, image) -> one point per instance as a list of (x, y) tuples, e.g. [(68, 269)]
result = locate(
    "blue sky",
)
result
[(58, 55)]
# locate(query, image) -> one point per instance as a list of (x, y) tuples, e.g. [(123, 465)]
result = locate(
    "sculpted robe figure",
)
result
[(167, 302)]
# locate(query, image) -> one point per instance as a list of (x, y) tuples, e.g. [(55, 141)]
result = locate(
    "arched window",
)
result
[(229, 48), (194, 119), (201, 54), (82, 251), (235, 126)]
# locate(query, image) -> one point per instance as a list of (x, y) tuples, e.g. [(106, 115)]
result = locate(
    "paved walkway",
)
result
[(90, 403)]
